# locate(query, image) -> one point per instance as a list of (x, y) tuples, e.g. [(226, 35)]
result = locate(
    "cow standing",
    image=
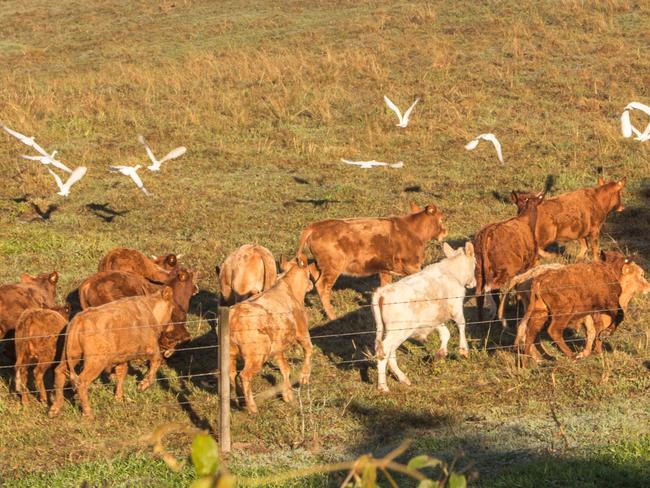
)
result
[(267, 325), (421, 303), (364, 247), (246, 272)]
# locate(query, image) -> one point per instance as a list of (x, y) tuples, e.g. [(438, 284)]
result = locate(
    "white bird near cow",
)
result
[(626, 125), (403, 119), (173, 154), (132, 172), (44, 158), (75, 176), (373, 163), (486, 137)]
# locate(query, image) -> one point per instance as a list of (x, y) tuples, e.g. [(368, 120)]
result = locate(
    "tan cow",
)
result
[(246, 272), (109, 336), (365, 246), (268, 324), (37, 334), (155, 269), (577, 215), (31, 292)]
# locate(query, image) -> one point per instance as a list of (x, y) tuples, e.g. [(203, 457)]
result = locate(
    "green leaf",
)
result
[(423, 461), (428, 484), (457, 481), (205, 455), (204, 482)]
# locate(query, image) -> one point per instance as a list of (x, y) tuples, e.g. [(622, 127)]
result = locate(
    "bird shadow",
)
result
[(413, 189), (21, 199), (44, 214), (299, 180), (313, 201), (104, 212)]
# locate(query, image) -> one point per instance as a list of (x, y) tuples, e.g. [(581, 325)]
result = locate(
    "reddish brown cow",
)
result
[(109, 336), (503, 250), (568, 295), (270, 323), (31, 292), (155, 268), (576, 215), (37, 334), (363, 247), (246, 272)]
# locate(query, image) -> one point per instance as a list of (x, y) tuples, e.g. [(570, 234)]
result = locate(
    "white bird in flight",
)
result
[(44, 157), (76, 175), (173, 154), (370, 164), (131, 171), (626, 125), (403, 119), (486, 137)]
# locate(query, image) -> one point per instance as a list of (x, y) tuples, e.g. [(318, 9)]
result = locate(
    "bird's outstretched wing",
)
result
[(59, 183), (393, 107), (173, 154), (407, 114), (118, 169), (76, 175), (497, 145), (626, 125), (28, 141), (472, 144), (138, 182)]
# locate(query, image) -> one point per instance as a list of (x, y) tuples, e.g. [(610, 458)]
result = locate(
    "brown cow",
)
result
[(503, 250), (270, 323), (246, 272), (31, 292), (155, 268), (365, 246), (568, 295), (37, 334), (576, 215), (109, 336)]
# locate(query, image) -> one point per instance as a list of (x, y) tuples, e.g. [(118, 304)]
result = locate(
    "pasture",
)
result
[(268, 98)]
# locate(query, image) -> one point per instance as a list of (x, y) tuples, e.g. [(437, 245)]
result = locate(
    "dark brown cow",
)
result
[(246, 272), (36, 338), (364, 246), (155, 268), (577, 215), (31, 292), (268, 324), (109, 336), (503, 250)]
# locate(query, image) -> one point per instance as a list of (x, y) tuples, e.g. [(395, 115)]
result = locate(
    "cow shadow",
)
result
[(630, 228), (205, 304)]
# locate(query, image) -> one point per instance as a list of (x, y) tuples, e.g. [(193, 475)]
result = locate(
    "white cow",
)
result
[(420, 303)]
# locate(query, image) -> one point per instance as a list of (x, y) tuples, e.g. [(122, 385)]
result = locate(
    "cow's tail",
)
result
[(523, 325), (377, 305), (270, 272), (305, 236)]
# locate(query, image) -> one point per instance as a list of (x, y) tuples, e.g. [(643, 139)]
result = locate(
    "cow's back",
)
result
[(567, 217), (37, 331), (508, 249), (15, 299)]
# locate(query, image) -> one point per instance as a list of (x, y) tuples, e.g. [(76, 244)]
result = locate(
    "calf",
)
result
[(504, 250), (155, 269), (270, 323), (37, 334), (246, 272), (576, 215), (109, 336), (31, 292), (363, 247), (420, 303)]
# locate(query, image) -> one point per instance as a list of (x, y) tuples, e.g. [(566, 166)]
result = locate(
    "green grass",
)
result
[(268, 99)]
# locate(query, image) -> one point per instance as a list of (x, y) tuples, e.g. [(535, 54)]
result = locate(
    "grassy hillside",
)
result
[(268, 98)]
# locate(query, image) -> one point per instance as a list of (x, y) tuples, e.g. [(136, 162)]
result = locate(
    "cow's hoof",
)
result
[(441, 354), (88, 416), (464, 353), (53, 412), (143, 386), (383, 388), (288, 397), (119, 399), (304, 379), (252, 410), (405, 381)]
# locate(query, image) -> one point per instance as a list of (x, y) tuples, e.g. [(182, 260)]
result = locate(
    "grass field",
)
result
[(268, 98)]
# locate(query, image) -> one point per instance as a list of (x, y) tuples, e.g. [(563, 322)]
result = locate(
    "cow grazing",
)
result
[(503, 250), (268, 324), (577, 215), (363, 247), (37, 334), (420, 303), (246, 272), (109, 336), (569, 294), (156, 268), (31, 292)]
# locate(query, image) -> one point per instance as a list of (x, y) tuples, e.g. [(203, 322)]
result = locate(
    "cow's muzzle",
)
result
[(442, 235)]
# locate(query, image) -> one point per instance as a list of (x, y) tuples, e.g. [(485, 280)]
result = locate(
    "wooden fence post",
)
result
[(224, 379)]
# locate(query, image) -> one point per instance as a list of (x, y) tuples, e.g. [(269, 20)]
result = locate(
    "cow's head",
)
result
[(610, 194), (172, 335), (45, 281), (168, 262), (298, 271), (181, 281), (463, 263), (615, 260), (633, 280), (435, 229), (520, 198)]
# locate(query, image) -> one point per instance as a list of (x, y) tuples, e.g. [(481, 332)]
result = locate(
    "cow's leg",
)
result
[(285, 369), (154, 363), (583, 248), (324, 287), (535, 324), (60, 375), (459, 318), (86, 377), (120, 373), (556, 329), (252, 365), (480, 301), (598, 345), (444, 334), (594, 236), (392, 363), (21, 382), (39, 373), (382, 363), (385, 279), (233, 372), (304, 340), (591, 335), (492, 306)]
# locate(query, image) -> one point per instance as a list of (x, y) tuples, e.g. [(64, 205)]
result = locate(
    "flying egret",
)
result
[(173, 154), (76, 175), (132, 172), (486, 137), (403, 119)]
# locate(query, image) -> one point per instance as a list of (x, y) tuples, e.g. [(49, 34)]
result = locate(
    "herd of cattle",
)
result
[(135, 307)]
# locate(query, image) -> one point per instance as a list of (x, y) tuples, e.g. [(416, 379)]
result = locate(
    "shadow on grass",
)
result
[(104, 212)]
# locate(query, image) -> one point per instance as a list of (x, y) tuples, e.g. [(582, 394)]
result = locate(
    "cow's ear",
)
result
[(155, 258), (53, 278), (415, 207), (540, 197), (514, 197), (167, 293), (169, 328), (627, 268), (601, 181), (621, 182), (25, 278), (446, 248), (183, 275), (302, 261), (469, 249), (431, 209), (217, 269)]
